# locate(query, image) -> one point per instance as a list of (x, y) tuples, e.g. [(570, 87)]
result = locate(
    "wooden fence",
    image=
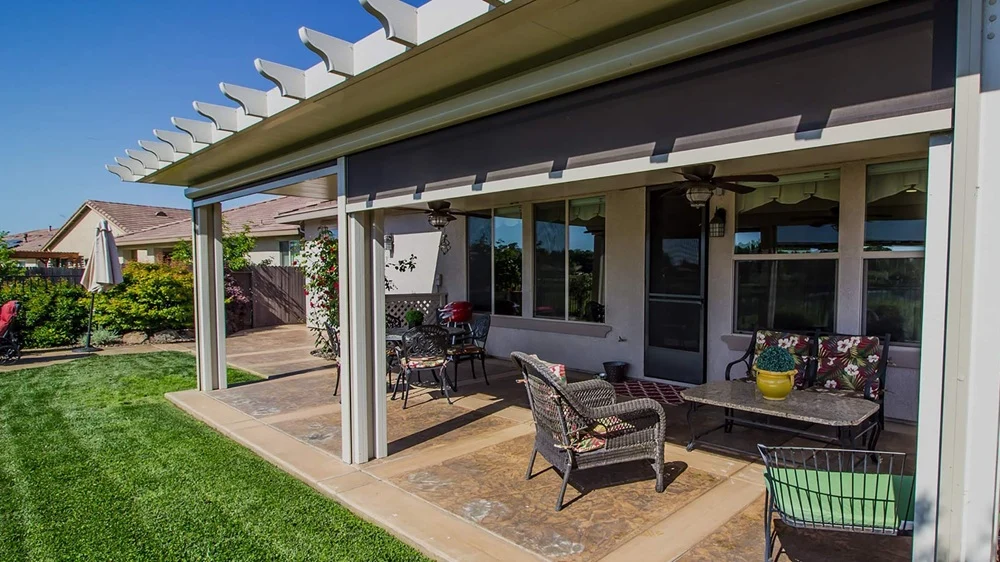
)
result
[(51, 274), (277, 295)]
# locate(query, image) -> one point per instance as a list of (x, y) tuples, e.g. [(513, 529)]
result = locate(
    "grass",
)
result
[(96, 465)]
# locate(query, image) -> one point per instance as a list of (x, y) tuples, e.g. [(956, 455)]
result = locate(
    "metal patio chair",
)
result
[(580, 425), (472, 347), (836, 490), (425, 348)]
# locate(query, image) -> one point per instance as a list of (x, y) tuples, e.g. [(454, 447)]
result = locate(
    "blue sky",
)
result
[(83, 81)]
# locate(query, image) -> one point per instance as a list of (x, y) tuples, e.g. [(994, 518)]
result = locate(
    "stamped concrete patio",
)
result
[(453, 484)]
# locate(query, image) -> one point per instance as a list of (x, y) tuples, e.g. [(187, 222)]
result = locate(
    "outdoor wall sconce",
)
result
[(390, 244), (717, 226)]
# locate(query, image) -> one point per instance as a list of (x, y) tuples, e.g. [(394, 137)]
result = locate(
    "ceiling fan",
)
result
[(700, 182), (439, 214)]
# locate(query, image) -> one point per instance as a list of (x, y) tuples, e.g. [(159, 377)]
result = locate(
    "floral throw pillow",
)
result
[(848, 363), (800, 346)]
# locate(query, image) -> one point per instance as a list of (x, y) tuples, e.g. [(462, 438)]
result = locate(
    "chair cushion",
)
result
[(848, 363), (585, 442), (465, 349), (857, 499), (799, 345), (425, 362)]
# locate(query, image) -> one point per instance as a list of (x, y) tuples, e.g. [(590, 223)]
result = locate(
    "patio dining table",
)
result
[(853, 418), (395, 335)]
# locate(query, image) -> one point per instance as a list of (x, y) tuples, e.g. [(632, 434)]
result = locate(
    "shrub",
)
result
[(151, 297), (100, 337), (52, 314), (414, 317), (775, 359)]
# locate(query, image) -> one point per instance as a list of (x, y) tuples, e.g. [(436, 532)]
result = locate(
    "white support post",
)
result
[(209, 298), (379, 406), (932, 345), (968, 449), (346, 356), (358, 233)]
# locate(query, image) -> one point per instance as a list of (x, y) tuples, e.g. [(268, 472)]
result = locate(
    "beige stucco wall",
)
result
[(79, 237)]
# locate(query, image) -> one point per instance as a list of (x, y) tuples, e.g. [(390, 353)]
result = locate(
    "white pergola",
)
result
[(428, 49)]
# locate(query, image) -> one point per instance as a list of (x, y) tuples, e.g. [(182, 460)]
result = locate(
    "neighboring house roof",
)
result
[(126, 217), (30, 241), (260, 217), (322, 209)]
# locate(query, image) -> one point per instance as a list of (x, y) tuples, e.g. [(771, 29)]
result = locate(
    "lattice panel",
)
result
[(398, 305)]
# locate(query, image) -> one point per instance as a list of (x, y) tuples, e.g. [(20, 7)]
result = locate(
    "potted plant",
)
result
[(775, 371), (414, 318)]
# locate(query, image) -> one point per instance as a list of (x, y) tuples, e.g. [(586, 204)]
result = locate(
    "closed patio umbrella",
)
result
[(102, 272)]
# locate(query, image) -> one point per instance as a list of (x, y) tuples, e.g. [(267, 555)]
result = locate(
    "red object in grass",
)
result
[(457, 311)]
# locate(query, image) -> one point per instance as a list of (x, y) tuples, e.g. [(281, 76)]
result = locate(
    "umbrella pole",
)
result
[(90, 325)]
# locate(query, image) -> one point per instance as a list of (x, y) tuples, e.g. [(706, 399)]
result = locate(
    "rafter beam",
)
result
[(134, 166), (398, 19), (231, 119), (182, 142), (257, 102), (148, 160), (337, 54), (296, 83), (122, 172), (201, 131), (163, 151)]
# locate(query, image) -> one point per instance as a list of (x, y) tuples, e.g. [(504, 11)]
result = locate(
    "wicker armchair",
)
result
[(571, 417), (472, 347), (425, 348)]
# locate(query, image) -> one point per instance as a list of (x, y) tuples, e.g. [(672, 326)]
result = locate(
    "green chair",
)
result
[(836, 490)]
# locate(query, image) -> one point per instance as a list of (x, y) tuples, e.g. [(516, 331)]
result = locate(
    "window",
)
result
[(786, 243), (495, 246), (288, 250), (569, 274), (895, 230)]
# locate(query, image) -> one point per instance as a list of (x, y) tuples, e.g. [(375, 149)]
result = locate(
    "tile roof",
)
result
[(134, 218), (313, 206), (32, 240), (259, 216)]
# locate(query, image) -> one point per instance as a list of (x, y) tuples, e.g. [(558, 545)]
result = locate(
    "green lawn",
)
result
[(96, 465)]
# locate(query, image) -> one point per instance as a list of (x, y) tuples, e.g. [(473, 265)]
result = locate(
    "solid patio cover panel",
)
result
[(892, 59), (800, 405)]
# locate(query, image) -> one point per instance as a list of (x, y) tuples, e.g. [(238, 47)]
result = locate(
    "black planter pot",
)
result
[(615, 371)]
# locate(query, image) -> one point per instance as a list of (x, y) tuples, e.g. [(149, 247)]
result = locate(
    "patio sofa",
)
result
[(839, 364)]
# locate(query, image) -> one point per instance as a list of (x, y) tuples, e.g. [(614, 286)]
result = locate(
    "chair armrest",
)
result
[(593, 393), (745, 360), (637, 406)]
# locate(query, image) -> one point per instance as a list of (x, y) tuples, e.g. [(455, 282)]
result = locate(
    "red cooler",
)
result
[(457, 312)]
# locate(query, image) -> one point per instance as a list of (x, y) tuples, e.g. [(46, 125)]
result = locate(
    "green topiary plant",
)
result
[(414, 317), (775, 359)]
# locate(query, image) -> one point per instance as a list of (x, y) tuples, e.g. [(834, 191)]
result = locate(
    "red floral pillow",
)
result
[(848, 363), (800, 346)]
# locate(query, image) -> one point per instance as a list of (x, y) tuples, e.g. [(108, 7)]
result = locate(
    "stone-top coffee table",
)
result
[(854, 418)]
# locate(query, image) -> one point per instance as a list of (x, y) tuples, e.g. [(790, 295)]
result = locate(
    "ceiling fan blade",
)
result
[(439, 205), (763, 178), (734, 187), (689, 177)]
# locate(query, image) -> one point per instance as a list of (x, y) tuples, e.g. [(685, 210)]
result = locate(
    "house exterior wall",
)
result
[(79, 238)]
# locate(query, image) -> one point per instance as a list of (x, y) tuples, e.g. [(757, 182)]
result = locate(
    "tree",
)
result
[(9, 267), (236, 248)]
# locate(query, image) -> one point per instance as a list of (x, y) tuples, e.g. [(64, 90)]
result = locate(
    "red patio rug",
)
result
[(666, 394)]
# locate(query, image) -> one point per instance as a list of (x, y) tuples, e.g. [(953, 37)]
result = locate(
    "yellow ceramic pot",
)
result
[(775, 386)]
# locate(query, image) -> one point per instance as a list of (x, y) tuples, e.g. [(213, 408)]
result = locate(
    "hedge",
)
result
[(52, 313)]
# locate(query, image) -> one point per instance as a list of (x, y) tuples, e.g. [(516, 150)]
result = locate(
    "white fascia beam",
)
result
[(201, 131), (182, 142), (337, 54), (231, 119), (295, 83), (398, 19), (257, 102), (163, 151), (134, 166), (122, 172), (148, 160)]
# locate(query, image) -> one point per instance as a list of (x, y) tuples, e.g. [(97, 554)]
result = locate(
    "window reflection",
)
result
[(786, 294), (586, 259), (896, 206), (799, 214), (479, 237), (894, 298), (550, 259), (507, 250)]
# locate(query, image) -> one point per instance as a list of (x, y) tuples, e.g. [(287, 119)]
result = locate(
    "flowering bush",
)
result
[(238, 304), (318, 259)]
